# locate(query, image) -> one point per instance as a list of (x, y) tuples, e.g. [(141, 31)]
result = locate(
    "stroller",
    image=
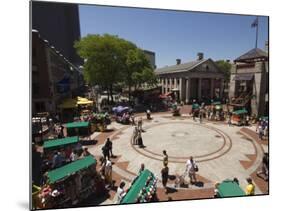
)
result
[(180, 181)]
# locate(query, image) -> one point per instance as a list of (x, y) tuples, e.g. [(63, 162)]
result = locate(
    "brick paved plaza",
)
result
[(221, 152)]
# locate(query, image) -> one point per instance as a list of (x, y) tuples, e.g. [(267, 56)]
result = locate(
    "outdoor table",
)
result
[(136, 187), (229, 188), (82, 128)]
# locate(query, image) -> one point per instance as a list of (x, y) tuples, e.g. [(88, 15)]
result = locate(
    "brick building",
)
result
[(54, 78)]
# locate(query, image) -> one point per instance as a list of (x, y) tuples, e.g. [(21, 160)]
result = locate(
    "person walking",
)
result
[(141, 169), (105, 152), (108, 172), (250, 188), (191, 168), (109, 146), (165, 176), (135, 135), (139, 140), (121, 192), (165, 158)]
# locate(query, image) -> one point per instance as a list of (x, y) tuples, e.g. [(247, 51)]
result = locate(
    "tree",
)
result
[(225, 67), (105, 57), (110, 61), (138, 69)]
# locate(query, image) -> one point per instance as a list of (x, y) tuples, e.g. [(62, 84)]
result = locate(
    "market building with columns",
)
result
[(200, 80)]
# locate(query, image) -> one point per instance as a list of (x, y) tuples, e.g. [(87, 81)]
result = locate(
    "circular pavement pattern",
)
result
[(184, 140)]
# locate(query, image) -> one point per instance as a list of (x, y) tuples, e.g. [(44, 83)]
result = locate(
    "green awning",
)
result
[(242, 111), (136, 187), (217, 103), (229, 188), (77, 124), (60, 142), (65, 171), (195, 106)]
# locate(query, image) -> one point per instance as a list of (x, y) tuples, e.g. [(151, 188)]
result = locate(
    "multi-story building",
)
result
[(151, 58), (249, 82), (54, 78), (59, 24), (200, 79)]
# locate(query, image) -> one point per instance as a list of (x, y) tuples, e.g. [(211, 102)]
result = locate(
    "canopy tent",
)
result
[(136, 187), (69, 169), (238, 112), (51, 144), (228, 188), (77, 125), (120, 109), (195, 106), (68, 104), (84, 101)]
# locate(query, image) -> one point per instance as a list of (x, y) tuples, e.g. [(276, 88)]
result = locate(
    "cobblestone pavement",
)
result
[(222, 152)]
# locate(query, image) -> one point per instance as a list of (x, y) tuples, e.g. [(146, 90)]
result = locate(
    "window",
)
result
[(178, 81)]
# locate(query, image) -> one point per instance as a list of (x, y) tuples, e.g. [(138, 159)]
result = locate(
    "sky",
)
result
[(176, 34)]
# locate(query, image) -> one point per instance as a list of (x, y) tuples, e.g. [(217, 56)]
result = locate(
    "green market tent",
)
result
[(65, 171), (60, 142), (136, 187), (242, 111), (228, 188), (77, 124), (195, 106), (78, 128)]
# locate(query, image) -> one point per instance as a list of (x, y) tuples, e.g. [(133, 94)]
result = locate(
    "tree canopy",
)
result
[(225, 67), (110, 60)]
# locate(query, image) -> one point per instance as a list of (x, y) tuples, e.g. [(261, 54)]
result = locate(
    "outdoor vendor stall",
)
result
[(218, 110), (238, 117), (229, 188), (175, 110), (70, 184), (78, 129), (143, 189), (122, 114), (65, 144), (99, 122)]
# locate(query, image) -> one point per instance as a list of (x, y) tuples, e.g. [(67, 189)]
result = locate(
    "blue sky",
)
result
[(173, 34)]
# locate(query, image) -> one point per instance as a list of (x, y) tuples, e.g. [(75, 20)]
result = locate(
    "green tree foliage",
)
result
[(225, 67), (111, 60)]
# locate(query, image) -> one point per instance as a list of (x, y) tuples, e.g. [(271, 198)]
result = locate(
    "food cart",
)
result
[(68, 185), (142, 189), (218, 110), (175, 110), (195, 109), (122, 114), (78, 128), (238, 117), (99, 122), (229, 188)]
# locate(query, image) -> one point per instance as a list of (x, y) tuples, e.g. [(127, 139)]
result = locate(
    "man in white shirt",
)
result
[(191, 169)]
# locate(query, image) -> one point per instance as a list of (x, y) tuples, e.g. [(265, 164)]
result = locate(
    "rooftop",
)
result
[(180, 67), (255, 53)]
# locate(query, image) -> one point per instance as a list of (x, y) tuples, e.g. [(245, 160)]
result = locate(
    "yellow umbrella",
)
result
[(84, 101)]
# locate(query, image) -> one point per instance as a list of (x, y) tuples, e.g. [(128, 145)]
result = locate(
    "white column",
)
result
[(187, 89), (170, 84)]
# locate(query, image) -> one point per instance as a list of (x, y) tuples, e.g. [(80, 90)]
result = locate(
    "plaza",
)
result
[(221, 152)]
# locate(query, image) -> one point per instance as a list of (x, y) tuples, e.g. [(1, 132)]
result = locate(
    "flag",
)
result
[(255, 23)]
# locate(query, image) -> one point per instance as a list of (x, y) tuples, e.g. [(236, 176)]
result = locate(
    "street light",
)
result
[(96, 88)]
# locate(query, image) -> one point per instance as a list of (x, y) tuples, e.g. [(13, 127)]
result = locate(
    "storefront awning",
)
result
[(243, 77)]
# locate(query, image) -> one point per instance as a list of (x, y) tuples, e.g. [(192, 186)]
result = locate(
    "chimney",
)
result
[(178, 61), (266, 46), (200, 56)]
